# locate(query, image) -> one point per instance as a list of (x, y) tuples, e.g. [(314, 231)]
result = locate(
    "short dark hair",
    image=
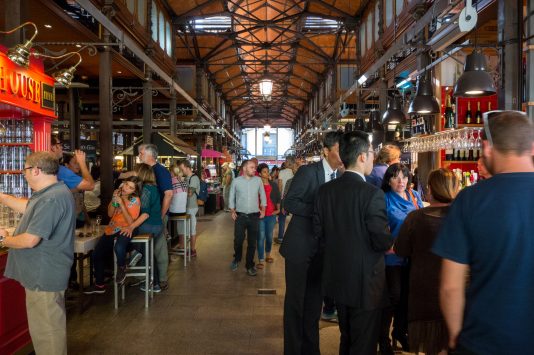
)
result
[(393, 171), (352, 145), (54, 139), (262, 166), (185, 163), (511, 132), (331, 138)]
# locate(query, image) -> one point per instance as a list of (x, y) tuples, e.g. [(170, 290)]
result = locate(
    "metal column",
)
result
[(12, 18), (147, 108), (106, 126), (172, 116), (74, 124), (509, 18)]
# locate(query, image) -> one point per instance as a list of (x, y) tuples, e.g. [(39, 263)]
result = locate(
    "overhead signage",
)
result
[(29, 89)]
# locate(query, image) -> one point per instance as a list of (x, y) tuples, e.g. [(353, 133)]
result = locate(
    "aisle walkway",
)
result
[(207, 309)]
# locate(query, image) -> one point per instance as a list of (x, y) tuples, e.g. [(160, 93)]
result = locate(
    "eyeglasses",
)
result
[(486, 116)]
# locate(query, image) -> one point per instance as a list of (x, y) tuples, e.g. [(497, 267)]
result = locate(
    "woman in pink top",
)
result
[(265, 237)]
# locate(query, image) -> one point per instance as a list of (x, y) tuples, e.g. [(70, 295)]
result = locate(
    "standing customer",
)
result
[(148, 154), (193, 188), (489, 233), (265, 239), (246, 213), (303, 261), (427, 332), (388, 155), (283, 176), (228, 177), (42, 250), (400, 200), (350, 217)]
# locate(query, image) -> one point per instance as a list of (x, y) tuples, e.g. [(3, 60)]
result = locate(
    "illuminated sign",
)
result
[(29, 89)]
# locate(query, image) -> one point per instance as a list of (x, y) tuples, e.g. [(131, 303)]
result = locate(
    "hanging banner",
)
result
[(29, 89)]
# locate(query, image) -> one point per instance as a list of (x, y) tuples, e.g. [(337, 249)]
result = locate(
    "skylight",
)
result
[(319, 24), (213, 24)]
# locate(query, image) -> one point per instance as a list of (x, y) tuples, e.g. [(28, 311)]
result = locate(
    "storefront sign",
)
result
[(89, 147), (29, 89)]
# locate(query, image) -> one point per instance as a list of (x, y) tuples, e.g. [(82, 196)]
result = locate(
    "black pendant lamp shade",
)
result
[(394, 114), (374, 121), (475, 81), (424, 102), (359, 125)]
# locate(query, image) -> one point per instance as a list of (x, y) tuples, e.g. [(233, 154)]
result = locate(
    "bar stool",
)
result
[(186, 220), (146, 271)]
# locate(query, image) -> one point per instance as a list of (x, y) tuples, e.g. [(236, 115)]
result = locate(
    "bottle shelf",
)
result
[(474, 125), (11, 171), (459, 161), (15, 144)]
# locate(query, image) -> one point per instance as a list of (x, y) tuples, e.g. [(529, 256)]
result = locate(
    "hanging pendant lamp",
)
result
[(393, 114), (476, 81), (374, 121), (424, 102)]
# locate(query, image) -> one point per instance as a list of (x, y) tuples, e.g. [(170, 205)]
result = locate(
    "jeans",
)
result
[(265, 237), (281, 225), (250, 225), (161, 255), (103, 251)]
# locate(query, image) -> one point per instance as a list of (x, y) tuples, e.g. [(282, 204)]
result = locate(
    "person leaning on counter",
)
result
[(41, 251)]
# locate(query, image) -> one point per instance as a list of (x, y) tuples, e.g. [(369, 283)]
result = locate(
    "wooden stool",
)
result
[(186, 220), (146, 271)]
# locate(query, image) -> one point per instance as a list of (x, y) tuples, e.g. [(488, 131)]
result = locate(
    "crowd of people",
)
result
[(451, 273)]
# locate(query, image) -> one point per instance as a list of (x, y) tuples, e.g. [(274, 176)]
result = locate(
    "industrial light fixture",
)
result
[(266, 87), (424, 102), (374, 121), (394, 113), (475, 81), (20, 54), (63, 76)]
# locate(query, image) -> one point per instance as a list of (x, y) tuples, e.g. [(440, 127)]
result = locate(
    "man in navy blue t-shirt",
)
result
[(488, 238)]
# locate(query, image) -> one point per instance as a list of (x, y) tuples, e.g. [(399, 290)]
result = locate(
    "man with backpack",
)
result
[(195, 193)]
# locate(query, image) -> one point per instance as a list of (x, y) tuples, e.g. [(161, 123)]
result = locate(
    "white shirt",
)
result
[(356, 172), (328, 171), (284, 175)]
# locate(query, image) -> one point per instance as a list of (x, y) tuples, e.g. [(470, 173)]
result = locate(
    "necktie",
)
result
[(333, 176)]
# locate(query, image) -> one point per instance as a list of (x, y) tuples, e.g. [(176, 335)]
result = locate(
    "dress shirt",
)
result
[(244, 194), (328, 171), (356, 172)]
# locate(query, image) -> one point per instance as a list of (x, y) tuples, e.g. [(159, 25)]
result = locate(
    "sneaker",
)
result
[(155, 289), (193, 253), (121, 275), (95, 289), (135, 256), (329, 316), (252, 271), (278, 241), (234, 265)]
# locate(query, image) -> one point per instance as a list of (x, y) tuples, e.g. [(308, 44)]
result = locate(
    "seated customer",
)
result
[(123, 210)]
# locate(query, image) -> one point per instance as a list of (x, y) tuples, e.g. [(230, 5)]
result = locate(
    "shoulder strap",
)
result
[(414, 200)]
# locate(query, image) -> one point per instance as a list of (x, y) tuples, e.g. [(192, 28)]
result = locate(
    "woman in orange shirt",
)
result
[(123, 210)]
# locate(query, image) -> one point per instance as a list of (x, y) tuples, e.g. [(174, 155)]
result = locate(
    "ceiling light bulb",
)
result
[(266, 87)]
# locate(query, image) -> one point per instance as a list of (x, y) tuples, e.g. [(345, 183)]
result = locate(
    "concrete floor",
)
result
[(208, 309)]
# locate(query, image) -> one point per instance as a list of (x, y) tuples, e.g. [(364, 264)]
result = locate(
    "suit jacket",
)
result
[(300, 243), (350, 220)]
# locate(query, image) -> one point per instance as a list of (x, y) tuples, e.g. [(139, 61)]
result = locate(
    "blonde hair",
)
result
[(443, 184), (389, 153), (145, 173)]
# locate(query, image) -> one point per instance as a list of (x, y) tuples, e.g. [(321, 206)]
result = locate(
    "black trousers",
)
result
[(359, 330), (397, 280), (249, 224), (302, 307)]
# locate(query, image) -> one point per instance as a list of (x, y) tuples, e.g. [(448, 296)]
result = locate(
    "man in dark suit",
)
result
[(300, 248), (350, 221)]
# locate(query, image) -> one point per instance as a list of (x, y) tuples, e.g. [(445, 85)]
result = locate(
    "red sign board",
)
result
[(29, 89)]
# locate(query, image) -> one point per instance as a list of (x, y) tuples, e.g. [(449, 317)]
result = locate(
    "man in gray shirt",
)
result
[(246, 213), (41, 251)]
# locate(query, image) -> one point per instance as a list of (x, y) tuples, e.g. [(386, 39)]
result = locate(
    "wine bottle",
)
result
[(449, 154), (471, 155), (468, 116), (457, 155), (489, 106), (478, 114), (449, 114)]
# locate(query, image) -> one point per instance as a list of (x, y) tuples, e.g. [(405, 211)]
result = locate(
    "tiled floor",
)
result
[(207, 309)]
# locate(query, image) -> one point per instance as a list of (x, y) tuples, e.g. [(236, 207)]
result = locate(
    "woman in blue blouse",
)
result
[(400, 200)]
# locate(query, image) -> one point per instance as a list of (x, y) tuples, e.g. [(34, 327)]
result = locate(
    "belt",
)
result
[(255, 214)]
